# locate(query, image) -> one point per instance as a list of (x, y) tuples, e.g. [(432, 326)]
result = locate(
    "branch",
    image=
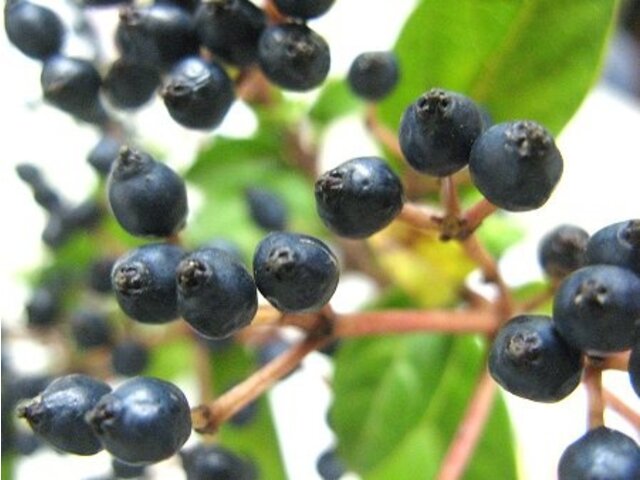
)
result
[(621, 408), (468, 433), (384, 135), (420, 216), (592, 380), (476, 214)]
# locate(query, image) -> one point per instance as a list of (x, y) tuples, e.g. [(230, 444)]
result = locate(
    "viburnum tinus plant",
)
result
[(139, 289)]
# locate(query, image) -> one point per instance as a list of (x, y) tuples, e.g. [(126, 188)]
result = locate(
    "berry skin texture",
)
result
[(634, 367), (147, 198), (516, 165), (216, 294), (373, 75), (129, 85), (34, 29), (438, 130), (596, 309), (205, 462), (295, 273), (129, 358), (303, 9), (267, 209), (57, 414), (359, 197), (530, 359), (616, 244), (143, 280), (562, 250), (601, 454), (293, 56), (143, 421), (198, 94), (231, 29)]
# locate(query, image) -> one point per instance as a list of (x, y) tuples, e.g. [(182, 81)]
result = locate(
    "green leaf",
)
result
[(335, 100), (170, 360), (257, 439), (398, 403), (8, 460), (533, 59)]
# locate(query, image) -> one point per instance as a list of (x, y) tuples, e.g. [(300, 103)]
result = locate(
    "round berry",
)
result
[(516, 165), (294, 272), (129, 358), (601, 454), (228, 246), (303, 9), (129, 85), (146, 197), (126, 470), (143, 421), (438, 130), (562, 250), (34, 29), (198, 94), (329, 466), (43, 307), (267, 209), (597, 307), (90, 329), (634, 367), (57, 414), (359, 197), (204, 462), (530, 359), (144, 282), (293, 56), (373, 75), (231, 29), (216, 294), (616, 244), (104, 154)]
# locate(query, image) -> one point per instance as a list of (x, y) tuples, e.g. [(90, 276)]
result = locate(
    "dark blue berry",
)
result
[(294, 272), (43, 307), (56, 231), (373, 75), (90, 329), (597, 307), (267, 209), (198, 94), (84, 216), (144, 282), (43, 194), (516, 165), (226, 245), (129, 85), (616, 244), (437, 132), (359, 197), (530, 359), (104, 154), (303, 9), (129, 358), (34, 29), (272, 349), (601, 454), (126, 470), (26, 443), (329, 465), (634, 367), (146, 197), (143, 421), (207, 462), (293, 56), (562, 250), (216, 294), (99, 275), (57, 414), (231, 29)]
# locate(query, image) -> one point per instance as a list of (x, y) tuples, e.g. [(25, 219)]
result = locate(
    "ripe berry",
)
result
[(267, 209), (231, 29), (329, 465), (57, 414), (516, 165), (43, 307), (616, 244), (157, 35), (373, 75), (359, 197), (90, 329), (126, 470), (216, 294), (129, 85), (34, 29), (198, 94), (293, 56), (144, 282), (228, 246), (98, 276), (143, 421), (596, 308), (129, 358), (438, 130), (530, 359), (634, 367), (204, 462), (562, 250), (146, 197), (73, 85), (601, 454), (303, 9), (294, 272), (104, 154)]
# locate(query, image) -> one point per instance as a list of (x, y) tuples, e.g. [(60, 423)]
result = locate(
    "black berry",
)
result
[(329, 466), (294, 272), (438, 130), (34, 29), (516, 165), (126, 470), (205, 462), (373, 75), (43, 307), (562, 250), (130, 85), (616, 244), (267, 209), (303, 9), (359, 197), (99, 275), (90, 329), (104, 154), (129, 358)]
